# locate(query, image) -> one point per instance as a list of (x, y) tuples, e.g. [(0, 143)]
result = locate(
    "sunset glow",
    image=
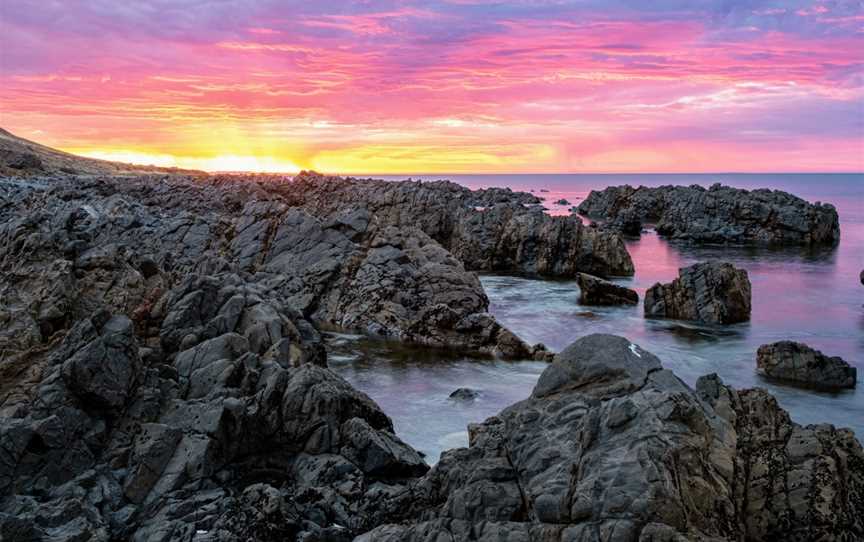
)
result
[(443, 86)]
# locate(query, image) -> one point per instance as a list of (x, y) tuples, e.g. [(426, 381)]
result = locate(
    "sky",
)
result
[(441, 86)]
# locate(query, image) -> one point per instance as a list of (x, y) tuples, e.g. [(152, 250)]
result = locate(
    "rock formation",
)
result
[(720, 214), (206, 433), (713, 293), (596, 291), (71, 245), (797, 363), (487, 230), (611, 446)]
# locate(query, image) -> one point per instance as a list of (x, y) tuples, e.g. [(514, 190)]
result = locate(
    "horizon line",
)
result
[(609, 173)]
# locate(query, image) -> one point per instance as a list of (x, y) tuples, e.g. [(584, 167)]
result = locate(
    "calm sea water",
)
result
[(812, 296)]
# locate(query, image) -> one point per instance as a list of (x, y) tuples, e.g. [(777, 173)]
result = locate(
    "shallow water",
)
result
[(812, 296)]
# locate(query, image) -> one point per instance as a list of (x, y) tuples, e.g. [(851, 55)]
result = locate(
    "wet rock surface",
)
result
[(465, 394), (611, 446), (797, 363), (596, 291), (720, 214), (711, 292)]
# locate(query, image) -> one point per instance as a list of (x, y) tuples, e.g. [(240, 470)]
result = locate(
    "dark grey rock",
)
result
[(163, 378), (611, 446), (596, 291), (103, 371), (713, 292), (464, 394), (797, 363), (720, 214), (487, 230)]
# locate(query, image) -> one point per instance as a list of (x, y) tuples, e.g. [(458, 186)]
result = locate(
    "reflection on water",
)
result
[(413, 386), (812, 296)]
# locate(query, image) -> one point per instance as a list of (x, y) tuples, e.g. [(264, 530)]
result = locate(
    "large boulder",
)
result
[(611, 446), (713, 293), (596, 291), (720, 214), (797, 363)]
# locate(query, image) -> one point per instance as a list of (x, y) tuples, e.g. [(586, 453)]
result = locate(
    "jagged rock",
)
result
[(798, 363), (103, 371), (596, 291), (488, 230), (718, 214), (713, 292), (162, 377), (611, 446), (202, 417), (390, 282)]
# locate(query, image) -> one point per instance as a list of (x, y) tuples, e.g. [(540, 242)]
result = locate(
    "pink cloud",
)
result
[(605, 85)]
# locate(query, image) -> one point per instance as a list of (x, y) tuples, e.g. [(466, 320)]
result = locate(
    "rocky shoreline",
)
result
[(164, 377)]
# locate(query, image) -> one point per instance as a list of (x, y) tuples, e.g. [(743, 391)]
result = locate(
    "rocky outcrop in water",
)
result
[(596, 291), (797, 363), (611, 446), (487, 230), (713, 293), (720, 214)]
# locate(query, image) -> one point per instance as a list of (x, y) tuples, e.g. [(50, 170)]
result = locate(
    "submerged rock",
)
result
[(719, 214), (611, 446), (562, 201), (713, 293), (596, 291), (797, 363), (464, 394)]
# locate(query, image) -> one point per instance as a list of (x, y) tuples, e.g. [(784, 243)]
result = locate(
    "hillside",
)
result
[(22, 157)]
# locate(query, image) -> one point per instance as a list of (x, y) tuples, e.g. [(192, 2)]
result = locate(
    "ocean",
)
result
[(807, 295)]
